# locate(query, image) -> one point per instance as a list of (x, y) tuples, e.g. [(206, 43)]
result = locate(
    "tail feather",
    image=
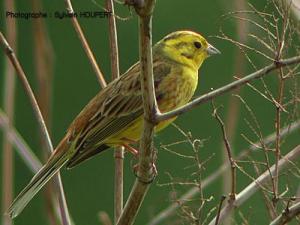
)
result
[(57, 160)]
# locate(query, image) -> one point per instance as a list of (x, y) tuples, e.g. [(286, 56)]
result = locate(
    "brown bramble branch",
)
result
[(115, 73), (146, 171), (38, 115), (13, 59)]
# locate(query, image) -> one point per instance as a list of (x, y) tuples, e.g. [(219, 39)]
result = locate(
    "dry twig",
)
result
[(166, 213), (9, 105), (252, 188), (115, 73), (146, 171), (287, 215), (229, 154), (219, 209), (45, 135)]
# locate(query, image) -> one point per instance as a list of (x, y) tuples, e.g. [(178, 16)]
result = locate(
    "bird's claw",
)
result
[(151, 177)]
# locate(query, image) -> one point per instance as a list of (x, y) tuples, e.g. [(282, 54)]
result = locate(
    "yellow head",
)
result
[(185, 47)]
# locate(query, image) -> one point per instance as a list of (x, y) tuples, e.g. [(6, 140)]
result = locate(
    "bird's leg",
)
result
[(154, 172), (135, 152), (132, 150)]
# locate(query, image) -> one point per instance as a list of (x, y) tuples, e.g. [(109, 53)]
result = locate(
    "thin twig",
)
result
[(219, 209), (113, 41), (64, 211), (269, 204), (9, 106), (146, 171), (13, 59), (166, 213), (253, 187), (229, 87), (287, 215), (115, 73), (119, 174), (257, 131), (45, 135), (85, 44), (229, 154), (234, 106), (278, 103)]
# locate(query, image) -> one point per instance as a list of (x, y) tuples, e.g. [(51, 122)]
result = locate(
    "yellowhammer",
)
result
[(114, 117)]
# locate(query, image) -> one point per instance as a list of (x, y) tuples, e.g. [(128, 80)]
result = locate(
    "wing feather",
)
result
[(111, 111)]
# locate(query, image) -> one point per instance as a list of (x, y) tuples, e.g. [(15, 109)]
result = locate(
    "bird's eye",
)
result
[(197, 44)]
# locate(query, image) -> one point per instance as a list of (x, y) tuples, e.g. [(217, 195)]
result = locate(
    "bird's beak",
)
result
[(211, 50)]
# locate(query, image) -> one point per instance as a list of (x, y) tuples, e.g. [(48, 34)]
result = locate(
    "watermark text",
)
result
[(57, 15)]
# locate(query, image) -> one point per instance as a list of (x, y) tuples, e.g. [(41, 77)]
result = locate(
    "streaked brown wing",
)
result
[(112, 110)]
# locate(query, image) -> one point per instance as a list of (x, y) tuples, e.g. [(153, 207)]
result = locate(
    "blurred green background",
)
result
[(89, 187)]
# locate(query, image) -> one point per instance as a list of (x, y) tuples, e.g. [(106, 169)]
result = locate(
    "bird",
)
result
[(114, 117)]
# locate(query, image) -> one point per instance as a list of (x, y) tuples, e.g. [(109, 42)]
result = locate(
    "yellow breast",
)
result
[(176, 89)]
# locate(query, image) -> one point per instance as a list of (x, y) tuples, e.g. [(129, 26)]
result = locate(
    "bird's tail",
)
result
[(55, 162)]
